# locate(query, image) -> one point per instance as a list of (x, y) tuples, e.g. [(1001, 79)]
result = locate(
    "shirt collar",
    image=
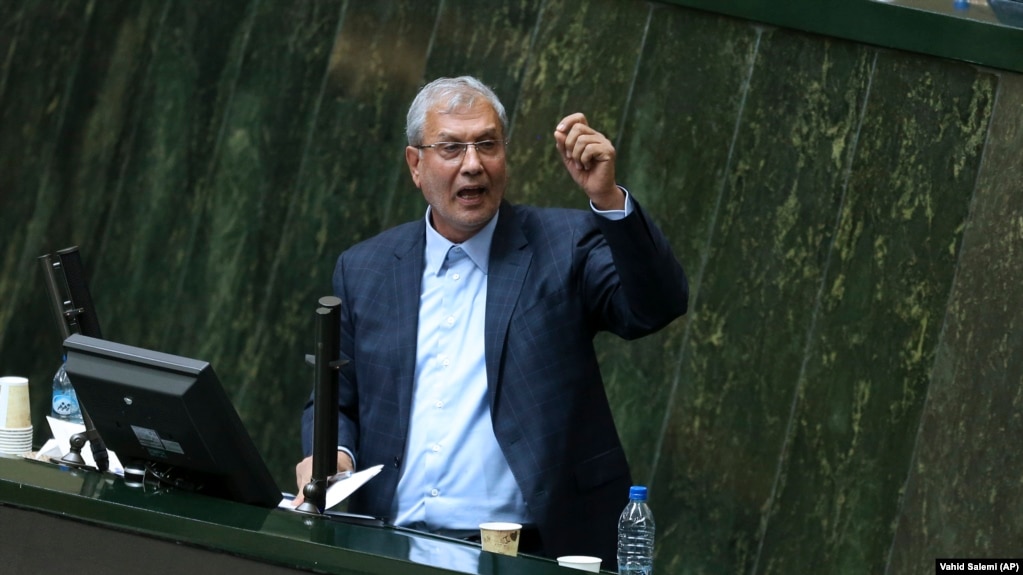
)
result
[(477, 247)]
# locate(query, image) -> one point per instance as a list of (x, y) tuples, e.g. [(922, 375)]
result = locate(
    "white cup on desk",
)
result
[(581, 562), (500, 537), (15, 416)]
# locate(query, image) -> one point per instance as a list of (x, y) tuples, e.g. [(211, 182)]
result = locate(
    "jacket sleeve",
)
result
[(633, 277)]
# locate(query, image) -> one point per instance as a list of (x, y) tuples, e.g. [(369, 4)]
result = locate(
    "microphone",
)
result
[(325, 397), (75, 313)]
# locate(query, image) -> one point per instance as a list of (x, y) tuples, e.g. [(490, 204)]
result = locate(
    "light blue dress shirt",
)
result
[(455, 475)]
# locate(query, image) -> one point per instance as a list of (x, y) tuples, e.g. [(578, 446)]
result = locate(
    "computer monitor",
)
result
[(170, 414)]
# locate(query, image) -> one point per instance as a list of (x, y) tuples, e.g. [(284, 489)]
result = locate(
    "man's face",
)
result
[(466, 191)]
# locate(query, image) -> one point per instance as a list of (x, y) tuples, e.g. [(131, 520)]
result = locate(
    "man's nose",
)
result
[(471, 159)]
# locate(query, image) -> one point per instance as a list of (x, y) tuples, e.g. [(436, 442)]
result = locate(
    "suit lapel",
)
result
[(407, 275), (510, 257)]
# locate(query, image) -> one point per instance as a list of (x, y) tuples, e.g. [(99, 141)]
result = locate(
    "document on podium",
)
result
[(60, 445), (341, 489)]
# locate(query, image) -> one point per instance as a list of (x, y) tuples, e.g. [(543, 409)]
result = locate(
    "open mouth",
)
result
[(471, 194)]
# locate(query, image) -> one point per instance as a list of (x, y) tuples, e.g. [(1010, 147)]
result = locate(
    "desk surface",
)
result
[(281, 537)]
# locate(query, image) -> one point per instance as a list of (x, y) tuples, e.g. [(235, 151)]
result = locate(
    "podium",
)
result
[(53, 518)]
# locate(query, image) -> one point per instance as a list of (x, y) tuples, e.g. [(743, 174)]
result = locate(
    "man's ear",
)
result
[(412, 158)]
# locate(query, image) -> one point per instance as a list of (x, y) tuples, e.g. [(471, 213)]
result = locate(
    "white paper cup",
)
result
[(21, 447), (21, 450), (500, 538), (16, 445), (14, 404), (582, 562), (15, 433)]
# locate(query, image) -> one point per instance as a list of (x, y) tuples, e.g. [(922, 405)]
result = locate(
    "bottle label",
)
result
[(65, 405)]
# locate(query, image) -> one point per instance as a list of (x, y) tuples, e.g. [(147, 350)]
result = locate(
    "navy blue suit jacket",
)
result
[(556, 278)]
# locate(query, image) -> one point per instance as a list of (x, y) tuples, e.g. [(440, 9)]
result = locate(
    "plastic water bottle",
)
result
[(65, 400), (636, 535)]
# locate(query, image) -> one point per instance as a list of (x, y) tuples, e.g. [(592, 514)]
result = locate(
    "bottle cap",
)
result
[(637, 492)]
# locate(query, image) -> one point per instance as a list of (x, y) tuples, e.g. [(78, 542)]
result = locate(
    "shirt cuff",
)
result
[(615, 214), (350, 454)]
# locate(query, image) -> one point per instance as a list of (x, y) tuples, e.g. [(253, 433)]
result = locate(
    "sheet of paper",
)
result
[(62, 432), (341, 490)]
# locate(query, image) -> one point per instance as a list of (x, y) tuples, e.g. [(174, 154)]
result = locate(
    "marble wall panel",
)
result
[(42, 63), (12, 18), (965, 481), (152, 196), (212, 159), (583, 60), (241, 202), (766, 260), (490, 41), (94, 166), (102, 116), (869, 360), (674, 151)]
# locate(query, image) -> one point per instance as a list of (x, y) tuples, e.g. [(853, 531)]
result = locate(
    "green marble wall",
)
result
[(842, 397)]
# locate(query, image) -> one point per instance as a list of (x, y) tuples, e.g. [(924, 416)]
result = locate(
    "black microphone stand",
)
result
[(325, 397), (75, 314)]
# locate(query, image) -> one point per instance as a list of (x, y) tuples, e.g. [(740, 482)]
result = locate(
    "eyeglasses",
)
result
[(451, 151)]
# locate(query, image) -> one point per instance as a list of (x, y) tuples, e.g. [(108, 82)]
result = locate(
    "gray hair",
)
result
[(454, 93)]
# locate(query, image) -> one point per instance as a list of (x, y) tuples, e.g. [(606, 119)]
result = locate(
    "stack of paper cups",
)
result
[(15, 416)]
